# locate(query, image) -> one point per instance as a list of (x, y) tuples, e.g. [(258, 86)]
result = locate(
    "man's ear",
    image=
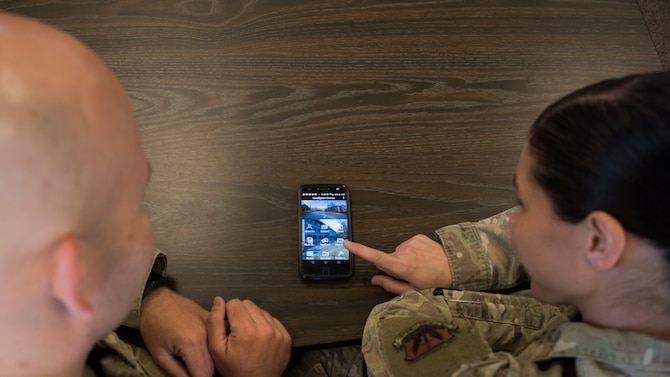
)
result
[(66, 278), (607, 240)]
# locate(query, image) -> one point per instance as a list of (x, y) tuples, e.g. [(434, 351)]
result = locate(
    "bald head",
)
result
[(75, 243), (66, 131)]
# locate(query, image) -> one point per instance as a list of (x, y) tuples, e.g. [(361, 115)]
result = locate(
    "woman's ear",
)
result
[(607, 240), (66, 278)]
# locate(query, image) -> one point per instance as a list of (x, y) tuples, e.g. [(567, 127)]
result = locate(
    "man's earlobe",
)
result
[(66, 278), (607, 240)]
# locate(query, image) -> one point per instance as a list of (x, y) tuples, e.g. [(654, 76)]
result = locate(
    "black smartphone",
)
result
[(324, 221)]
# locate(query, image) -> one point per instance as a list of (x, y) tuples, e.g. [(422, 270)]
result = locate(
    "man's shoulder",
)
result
[(112, 356)]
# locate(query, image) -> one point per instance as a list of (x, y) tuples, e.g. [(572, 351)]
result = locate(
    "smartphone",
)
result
[(324, 221)]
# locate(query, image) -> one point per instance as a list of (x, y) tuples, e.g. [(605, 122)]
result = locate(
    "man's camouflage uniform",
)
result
[(113, 357), (466, 332)]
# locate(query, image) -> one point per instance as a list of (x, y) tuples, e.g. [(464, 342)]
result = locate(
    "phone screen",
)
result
[(324, 222)]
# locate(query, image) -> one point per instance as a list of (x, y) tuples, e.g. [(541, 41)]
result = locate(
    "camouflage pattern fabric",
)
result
[(438, 332), (480, 254), (113, 357), (465, 332), (434, 332), (344, 361), (159, 266)]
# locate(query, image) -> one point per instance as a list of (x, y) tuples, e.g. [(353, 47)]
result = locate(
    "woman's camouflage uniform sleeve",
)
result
[(480, 254), (466, 332)]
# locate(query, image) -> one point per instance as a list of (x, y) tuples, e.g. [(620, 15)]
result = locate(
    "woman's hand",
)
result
[(416, 263)]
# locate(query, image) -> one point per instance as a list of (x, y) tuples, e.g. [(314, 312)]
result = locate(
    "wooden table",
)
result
[(421, 107)]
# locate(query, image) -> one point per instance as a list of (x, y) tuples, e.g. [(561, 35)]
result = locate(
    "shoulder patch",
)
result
[(422, 338)]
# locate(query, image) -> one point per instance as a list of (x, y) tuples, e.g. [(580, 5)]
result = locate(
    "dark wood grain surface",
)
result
[(420, 107)]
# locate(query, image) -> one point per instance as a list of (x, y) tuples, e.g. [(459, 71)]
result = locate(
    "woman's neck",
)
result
[(630, 300), (641, 321)]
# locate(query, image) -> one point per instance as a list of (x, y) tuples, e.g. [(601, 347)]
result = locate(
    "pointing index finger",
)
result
[(374, 256)]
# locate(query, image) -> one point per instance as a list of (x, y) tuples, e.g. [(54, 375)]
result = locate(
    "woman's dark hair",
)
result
[(607, 147)]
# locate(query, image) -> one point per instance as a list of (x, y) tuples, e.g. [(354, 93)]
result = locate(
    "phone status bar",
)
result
[(323, 195)]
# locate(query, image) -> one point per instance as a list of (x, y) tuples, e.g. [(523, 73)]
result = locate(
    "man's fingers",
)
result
[(216, 326), (261, 317), (276, 326), (187, 365), (268, 317), (199, 364), (282, 329), (171, 364), (245, 313), (390, 284)]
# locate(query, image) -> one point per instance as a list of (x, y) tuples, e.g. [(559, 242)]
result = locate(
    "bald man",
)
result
[(76, 244)]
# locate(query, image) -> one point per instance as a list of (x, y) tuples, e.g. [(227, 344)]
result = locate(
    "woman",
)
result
[(592, 232)]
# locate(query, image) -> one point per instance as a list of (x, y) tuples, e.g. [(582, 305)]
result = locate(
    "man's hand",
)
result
[(174, 330), (253, 344), (416, 263)]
